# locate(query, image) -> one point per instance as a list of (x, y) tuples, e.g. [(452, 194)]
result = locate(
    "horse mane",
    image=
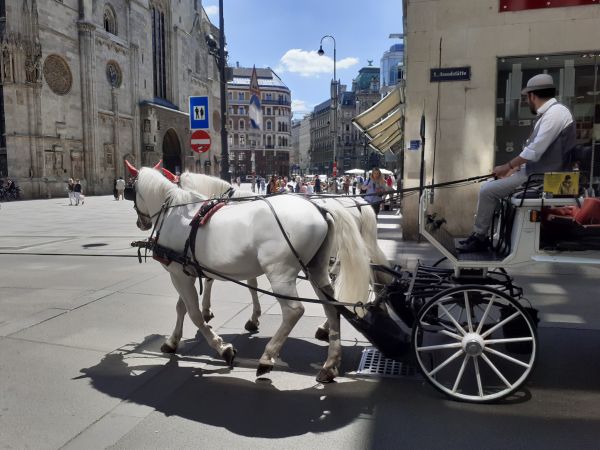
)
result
[(155, 185), (208, 185)]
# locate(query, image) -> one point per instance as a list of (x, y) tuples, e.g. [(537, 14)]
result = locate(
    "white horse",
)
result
[(358, 208), (243, 241)]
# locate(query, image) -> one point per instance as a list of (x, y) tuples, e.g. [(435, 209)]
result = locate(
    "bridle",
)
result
[(131, 194)]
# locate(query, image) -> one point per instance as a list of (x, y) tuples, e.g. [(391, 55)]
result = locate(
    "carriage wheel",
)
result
[(474, 343)]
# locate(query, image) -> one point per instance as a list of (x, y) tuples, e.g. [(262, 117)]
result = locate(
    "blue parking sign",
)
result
[(199, 113)]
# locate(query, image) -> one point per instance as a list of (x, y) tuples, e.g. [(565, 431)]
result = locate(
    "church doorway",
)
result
[(172, 152)]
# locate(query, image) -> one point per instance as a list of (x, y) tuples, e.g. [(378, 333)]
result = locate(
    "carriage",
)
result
[(467, 326)]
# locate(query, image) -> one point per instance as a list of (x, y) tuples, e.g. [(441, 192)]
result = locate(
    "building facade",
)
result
[(87, 84), (482, 121), (266, 151), (392, 67), (304, 145)]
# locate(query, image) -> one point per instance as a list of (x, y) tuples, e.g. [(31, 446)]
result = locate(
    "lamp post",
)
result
[(217, 50), (334, 100)]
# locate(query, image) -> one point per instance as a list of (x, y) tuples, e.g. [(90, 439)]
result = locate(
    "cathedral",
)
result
[(87, 84)]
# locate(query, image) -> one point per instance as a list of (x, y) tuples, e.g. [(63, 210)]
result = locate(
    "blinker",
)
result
[(129, 193)]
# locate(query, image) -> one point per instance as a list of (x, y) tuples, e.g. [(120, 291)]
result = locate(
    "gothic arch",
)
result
[(109, 20), (171, 150)]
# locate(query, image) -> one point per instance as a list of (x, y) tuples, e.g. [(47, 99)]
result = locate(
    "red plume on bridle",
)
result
[(157, 166), (170, 175), (132, 170)]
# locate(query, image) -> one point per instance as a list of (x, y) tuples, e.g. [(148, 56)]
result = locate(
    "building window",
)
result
[(242, 110), (159, 52), (269, 112), (573, 75), (242, 139), (110, 20), (241, 96), (242, 125), (269, 125), (230, 95)]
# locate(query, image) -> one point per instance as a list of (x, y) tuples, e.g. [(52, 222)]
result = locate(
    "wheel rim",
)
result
[(474, 343)]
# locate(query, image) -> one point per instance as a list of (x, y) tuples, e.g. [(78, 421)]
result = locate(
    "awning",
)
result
[(381, 123)]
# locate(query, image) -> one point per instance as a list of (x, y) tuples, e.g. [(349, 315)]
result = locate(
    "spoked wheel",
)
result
[(474, 343)]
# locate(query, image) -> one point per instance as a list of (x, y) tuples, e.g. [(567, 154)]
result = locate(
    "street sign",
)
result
[(200, 141), (199, 116), (450, 74)]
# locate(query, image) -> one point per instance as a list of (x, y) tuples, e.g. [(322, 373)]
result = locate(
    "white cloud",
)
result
[(309, 63), (300, 107), (212, 10)]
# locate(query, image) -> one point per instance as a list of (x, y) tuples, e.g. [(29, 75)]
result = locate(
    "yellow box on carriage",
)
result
[(561, 184)]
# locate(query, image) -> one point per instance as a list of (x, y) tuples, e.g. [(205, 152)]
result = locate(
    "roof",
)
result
[(326, 105), (348, 98), (266, 77)]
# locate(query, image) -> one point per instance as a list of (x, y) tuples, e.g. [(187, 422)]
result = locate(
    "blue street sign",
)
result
[(199, 113), (415, 144)]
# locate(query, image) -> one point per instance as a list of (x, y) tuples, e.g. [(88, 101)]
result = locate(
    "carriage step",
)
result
[(373, 363)]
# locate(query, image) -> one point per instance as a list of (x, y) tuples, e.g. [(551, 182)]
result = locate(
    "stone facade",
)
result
[(79, 89)]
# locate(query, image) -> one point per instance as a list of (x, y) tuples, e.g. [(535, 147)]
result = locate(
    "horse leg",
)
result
[(252, 324), (291, 311), (206, 312), (330, 369), (170, 345), (322, 333), (187, 291)]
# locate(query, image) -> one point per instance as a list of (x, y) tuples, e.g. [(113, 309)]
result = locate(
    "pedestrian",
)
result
[(254, 183), (298, 187), (70, 185), (375, 188), (77, 192), (120, 185), (346, 185), (115, 192), (546, 150), (317, 185), (262, 184), (272, 186), (354, 183)]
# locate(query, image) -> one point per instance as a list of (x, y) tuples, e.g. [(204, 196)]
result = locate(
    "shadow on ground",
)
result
[(241, 404)]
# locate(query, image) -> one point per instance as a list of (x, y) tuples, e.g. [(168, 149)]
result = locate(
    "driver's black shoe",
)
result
[(474, 243)]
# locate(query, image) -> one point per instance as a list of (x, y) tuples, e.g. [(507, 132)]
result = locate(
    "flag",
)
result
[(254, 110)]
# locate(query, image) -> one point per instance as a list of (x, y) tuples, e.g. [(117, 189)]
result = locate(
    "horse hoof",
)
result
[(229, 355), (166, 348), (325, 376), (322, 334), (208, 317), (251, 327), (263, 369)]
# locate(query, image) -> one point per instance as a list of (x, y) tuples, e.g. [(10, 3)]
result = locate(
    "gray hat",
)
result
[(539, 82)]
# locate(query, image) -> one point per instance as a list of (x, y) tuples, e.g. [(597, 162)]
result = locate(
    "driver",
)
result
[(553, 136)]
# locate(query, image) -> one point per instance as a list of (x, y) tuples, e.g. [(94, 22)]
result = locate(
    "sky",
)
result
[(285, 35)]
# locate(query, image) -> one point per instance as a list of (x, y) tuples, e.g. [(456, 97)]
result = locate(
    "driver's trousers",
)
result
[(490, 195)]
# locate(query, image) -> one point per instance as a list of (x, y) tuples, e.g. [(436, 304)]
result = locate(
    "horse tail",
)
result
[(368, 231), (352, 283)]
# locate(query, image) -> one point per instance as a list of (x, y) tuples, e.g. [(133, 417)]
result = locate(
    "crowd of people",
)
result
[(9, 190), (375, 188), (75, 192)]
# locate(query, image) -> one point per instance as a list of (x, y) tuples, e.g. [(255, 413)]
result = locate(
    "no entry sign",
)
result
[(200, 141)]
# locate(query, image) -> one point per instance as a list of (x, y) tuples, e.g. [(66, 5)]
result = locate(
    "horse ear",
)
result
[(132, 170), (157, 166), (170, 175)]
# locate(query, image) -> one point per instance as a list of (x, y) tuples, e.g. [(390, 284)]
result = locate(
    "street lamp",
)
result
[(220, 55), (334, 99)]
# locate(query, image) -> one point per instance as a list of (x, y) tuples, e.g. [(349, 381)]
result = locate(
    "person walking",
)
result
[(272, 186), (546, 150), (375, 188), (77, 192), (70, 185), (120, 188), (317, 185), (346, 185)]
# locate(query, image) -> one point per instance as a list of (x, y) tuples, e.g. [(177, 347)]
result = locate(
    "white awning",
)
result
[(381, 123), (379, 110)]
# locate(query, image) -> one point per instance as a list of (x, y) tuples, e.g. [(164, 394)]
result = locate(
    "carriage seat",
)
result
[(574, 222)]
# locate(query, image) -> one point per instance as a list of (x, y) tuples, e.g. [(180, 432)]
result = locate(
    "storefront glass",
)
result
[(578, 87)]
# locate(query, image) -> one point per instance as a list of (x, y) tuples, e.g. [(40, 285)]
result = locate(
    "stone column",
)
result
[(116, 149), (89, 109), (134, 74)]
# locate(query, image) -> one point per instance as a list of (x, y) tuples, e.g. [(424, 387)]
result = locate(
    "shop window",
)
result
[(577, 88)]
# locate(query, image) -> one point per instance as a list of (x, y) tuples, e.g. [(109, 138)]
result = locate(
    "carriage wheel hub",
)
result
[(473, 344)]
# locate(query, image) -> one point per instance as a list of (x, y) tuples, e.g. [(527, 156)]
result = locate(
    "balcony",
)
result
[(276, 102)]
